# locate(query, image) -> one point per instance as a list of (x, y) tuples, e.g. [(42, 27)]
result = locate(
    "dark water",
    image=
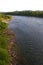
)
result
[(29, 36)]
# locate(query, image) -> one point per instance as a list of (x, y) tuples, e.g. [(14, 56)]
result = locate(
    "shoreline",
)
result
[(12, 48)]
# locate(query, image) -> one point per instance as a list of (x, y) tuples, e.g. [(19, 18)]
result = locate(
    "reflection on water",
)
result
[(29, 36)]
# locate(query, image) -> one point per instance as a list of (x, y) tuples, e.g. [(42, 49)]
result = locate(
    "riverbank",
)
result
[(5, 18), (12, 47), (8, 46)]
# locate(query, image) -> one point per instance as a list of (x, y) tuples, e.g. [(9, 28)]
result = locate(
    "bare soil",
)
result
[(12, 48)]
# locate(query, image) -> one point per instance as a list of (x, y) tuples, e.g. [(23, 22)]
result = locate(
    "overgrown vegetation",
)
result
[(3, 16), (27, 13), (4, 55)]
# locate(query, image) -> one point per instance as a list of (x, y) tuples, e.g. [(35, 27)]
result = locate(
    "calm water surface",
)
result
[(29, 36)]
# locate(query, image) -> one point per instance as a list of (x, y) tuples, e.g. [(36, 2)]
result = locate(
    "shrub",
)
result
[(2, 25), (4, 57), (3, 42)]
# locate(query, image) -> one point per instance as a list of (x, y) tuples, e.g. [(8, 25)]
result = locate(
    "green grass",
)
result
[(4, 56), (3, 41), (2, 25)]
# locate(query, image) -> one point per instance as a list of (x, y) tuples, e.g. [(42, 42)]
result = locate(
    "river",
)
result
[(29, 36)]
